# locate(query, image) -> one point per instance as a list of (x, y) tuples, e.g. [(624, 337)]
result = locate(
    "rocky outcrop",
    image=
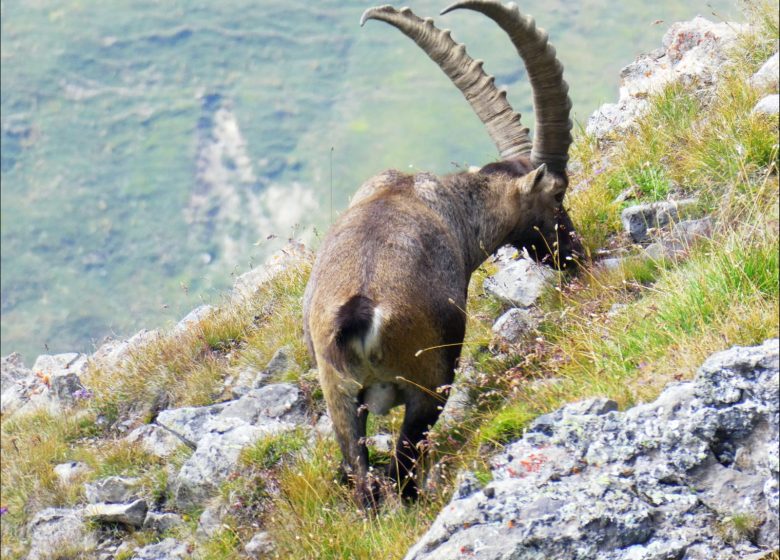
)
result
[(693, 474), (693, 53)]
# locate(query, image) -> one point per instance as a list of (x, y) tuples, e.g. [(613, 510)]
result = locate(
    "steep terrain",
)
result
[(630, 412)]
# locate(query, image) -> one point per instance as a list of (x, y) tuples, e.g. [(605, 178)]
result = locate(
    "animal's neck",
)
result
[(481, 217)]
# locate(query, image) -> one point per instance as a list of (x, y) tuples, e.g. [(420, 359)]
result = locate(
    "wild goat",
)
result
[(392, 273)]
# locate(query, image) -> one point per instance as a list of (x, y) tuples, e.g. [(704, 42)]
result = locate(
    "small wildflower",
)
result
[(83, 394), (3, 510)]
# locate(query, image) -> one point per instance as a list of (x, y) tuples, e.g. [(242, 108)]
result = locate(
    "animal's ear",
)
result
[(534, 181)]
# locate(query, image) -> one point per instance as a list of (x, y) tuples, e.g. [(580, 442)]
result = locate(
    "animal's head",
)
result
[(545, 229)]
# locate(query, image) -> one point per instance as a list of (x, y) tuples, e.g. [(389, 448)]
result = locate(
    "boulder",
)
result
[(191, 319), (60, 531), (667, 479), (291, 255), (113, 353), (693, 53)]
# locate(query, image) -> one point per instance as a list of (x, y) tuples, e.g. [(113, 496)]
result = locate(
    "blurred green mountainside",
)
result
[(153, 150)]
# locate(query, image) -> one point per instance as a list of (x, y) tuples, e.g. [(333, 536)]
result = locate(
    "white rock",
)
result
[(519, 282), (162, 522), (55, 530), (513, 324), (167, 549), (70, 470), (156, 440), (192, 318), (248, 283), (259, 545), (112, 489), (766, 78), (769, 105)]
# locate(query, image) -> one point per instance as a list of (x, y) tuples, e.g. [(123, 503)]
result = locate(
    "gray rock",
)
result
[(519, 282), (248, 378), (513, 324), (291, 255), (132, 514), (60, 531), (113, 353), (191, 319), (166, 549), (280, 401), (660, 480), (260, 545), (112, 489), (66, 472), (216, 457), (162, 522), (638, 219), (156, 440), (63, 371), (210, 521), (12, 369), (693, 54), (766, 78), (769, 105), (50, 384), (383, 443)]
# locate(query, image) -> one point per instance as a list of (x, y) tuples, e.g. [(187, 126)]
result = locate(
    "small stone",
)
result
[(166, 549), (66, 472), (162, 522), (383, 443), (259, 545), (210, 521), (132, 514), (769, 105), (638, 219), (513, 324), (112, 489)]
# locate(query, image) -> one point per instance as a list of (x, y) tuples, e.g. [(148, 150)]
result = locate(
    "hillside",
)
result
[(210, 439), (151, 152)]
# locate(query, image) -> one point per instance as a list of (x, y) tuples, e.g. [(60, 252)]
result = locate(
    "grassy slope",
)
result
[(724, 292)]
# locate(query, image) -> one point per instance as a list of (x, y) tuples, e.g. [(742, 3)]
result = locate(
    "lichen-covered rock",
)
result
[(693, 53), (665, 479), (58, 531), (54, 381)]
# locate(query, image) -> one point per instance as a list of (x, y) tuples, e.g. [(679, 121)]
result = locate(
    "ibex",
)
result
[(391, 275)]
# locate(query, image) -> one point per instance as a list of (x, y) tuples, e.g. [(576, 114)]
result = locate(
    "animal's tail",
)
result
[(356, 332)]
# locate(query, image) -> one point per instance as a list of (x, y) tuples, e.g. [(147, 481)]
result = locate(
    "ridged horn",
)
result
[(488, 102), (552, 105)]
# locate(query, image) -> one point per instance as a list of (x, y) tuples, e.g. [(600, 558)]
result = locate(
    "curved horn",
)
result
[(489, 103), (552, 105)]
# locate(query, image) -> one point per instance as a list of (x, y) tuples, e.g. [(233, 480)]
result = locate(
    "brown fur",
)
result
[(383, 310)]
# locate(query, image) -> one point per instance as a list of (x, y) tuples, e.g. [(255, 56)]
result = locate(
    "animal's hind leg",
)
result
[(422, 411), (349, 424)]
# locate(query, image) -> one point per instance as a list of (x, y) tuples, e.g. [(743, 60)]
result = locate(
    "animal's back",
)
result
[(389, 281)]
